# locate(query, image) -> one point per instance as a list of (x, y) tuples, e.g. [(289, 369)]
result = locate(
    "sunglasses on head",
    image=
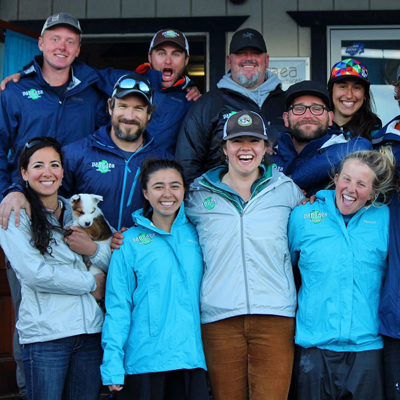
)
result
[(130, 83), (35, 141)]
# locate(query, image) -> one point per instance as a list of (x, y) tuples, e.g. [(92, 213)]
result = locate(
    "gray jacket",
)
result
[(247, 267), (56, 300)]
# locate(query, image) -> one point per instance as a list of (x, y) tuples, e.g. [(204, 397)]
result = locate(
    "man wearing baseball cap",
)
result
[(55, 96), (247, 85), (311, 151), (174, 93)]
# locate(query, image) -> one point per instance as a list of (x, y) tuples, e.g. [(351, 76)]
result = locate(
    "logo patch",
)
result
[(245, 120), (144, 238), (209, 203), (33, 94), (170, 34), (248, 35), (103, 166), (315, 216)]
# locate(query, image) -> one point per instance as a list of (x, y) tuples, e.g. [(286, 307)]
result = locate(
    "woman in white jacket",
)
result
[(248, 297), (59, 321)]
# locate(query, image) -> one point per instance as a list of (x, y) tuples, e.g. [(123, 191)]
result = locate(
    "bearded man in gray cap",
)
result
[(247, 85)]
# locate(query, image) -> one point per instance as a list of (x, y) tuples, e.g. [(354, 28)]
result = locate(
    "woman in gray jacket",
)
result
[(248, 297), (59, 320)]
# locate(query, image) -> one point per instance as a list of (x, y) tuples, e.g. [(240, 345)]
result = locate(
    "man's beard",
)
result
[(304, 136), (248, 83), (127, 136)]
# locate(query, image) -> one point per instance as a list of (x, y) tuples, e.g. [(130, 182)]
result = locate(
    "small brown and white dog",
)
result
[(88, 216)]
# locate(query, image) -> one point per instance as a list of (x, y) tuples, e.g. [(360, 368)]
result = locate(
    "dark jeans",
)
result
[(391, 362), (67, 369), (325, 375)]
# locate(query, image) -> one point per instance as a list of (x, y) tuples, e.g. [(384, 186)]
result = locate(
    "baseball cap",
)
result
[(349, 68), (247, 38), (305, 88), (170, 35), (62, 19), (245, 123), (133, 83)]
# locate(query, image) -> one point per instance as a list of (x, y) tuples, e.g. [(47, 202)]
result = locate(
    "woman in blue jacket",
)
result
[(151, 337), (340, 243)]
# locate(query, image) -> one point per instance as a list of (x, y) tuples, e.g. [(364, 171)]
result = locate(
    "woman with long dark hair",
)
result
[(59, 320), (352, 100)]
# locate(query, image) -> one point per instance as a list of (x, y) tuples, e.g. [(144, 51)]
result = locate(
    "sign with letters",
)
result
[(290, 70)]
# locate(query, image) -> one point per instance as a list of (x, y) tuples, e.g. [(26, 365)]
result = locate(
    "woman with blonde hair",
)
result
[(340, 243)]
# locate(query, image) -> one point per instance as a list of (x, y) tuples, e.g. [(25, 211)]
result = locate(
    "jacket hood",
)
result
[(259, 94)]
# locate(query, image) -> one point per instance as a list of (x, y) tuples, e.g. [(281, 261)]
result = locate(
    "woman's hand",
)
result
[(80, 242), (115, 388), (306, 200), (99, 293)]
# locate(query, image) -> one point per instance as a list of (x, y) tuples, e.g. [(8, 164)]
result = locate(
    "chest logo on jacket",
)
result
[(33, 94), (103, 166), (144, 238), (209, 203), (316, 216)]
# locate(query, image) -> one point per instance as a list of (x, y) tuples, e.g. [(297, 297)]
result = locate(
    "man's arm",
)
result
[(193, 141), (324, 164), (14, 77)]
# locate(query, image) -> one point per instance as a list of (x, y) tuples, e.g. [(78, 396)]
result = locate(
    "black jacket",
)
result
[(198, 146)]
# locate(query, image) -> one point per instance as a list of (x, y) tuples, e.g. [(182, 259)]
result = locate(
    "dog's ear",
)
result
[(96, 198), (75, 198)]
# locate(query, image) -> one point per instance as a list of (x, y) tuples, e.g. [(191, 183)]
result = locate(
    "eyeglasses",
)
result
[(35, 141), (315, 109), (130, 83)]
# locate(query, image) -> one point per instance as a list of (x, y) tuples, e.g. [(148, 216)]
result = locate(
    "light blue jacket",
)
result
[(152, 300), (342, 270)]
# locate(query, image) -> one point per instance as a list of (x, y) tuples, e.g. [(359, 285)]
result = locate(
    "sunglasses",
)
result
[(35, 141), (130, 83)]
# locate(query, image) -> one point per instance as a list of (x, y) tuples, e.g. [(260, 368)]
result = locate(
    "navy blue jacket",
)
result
[(32, 108), (388, 135), (171, 103), (313, 168), (389, 308), (95, 165)]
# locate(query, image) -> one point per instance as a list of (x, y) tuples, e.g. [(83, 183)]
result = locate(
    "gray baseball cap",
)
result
[(245, 123), (62, 19)]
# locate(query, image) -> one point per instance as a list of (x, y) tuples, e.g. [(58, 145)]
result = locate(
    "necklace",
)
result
[(60, 204)]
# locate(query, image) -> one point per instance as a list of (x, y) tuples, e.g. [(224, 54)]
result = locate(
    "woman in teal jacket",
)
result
[(340, 243), (151, 336)]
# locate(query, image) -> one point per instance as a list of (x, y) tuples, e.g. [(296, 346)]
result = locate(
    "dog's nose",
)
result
[(87, 223)]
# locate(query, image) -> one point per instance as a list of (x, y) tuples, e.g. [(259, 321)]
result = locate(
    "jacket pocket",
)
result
[(153, 311)]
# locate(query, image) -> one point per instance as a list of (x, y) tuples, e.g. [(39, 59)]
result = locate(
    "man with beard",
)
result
[(108, 162), (311, 152), (247, 85)]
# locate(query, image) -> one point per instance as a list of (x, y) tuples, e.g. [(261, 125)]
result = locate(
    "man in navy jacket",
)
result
[(310, 153)]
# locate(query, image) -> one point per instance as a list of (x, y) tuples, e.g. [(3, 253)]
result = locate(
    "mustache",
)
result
[(255, 63), (129, 121)]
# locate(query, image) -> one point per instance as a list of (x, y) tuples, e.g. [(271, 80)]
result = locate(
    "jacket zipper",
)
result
[(244, 264)]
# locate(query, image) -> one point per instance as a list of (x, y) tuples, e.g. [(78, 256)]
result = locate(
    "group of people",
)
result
[(201, 277)]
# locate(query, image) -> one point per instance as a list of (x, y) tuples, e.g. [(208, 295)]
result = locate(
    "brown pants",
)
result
[(250, 356)]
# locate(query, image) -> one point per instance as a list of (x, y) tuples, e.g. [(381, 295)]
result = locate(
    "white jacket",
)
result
[(247, 268), (56, 300)]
